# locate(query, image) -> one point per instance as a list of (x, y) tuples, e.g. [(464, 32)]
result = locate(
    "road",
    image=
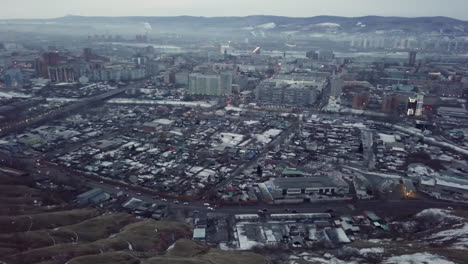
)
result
[(55, 113), (113, 187), (378, 206), (384, 207)]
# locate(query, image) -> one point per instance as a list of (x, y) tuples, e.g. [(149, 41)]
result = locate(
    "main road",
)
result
[(384, 207), (50, 114)]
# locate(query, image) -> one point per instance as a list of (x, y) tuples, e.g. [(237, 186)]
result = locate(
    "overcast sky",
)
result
[(298, 8)]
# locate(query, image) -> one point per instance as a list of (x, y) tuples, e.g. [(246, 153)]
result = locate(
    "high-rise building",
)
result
[(337, 85), (51, 58), (412, 58), (47, 59), (213, 85), (226, 83), (13, 78), (169, 77), (61, 73), (361, 101), (412, 106), (419, 105), (280, 93), (87, 54), (390, 104), (322, 55), (182, 78), (312, 54)]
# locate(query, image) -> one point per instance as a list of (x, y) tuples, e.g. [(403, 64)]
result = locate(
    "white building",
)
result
[(213, 85)]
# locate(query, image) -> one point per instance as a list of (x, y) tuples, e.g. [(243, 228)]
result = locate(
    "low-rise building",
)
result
[(303, 187), (94, 196), (453, 112), (199, 234), (444, 187)]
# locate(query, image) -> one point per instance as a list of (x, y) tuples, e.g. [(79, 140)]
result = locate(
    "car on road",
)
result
[(264, 210), (176, 202), (117, 188), (101, 182), (164, 200), (186, 203), (139, 194), (206, 204), (210, 208)]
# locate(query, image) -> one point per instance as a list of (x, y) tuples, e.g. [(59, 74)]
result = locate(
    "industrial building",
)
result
[(304, 187), (445, 187), (93, 196)]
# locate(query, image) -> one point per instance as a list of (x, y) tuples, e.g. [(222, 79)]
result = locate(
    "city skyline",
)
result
[(212, 8)]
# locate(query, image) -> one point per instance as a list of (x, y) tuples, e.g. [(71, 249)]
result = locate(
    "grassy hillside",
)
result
[(43, 229)]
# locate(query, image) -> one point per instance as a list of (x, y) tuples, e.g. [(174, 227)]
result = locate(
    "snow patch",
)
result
[(460, 232), (418, 258), (367, 251), (270, 25), (387, 138), (332, 260), (328, 24), (439, 213), (13, 94)]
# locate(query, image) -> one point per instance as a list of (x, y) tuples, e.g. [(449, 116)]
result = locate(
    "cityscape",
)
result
[(243, 139)]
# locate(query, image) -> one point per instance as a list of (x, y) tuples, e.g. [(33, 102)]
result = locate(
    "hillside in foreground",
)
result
[(37, 227)]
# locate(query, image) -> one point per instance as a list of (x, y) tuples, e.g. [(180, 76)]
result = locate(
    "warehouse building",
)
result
[(305, 187)]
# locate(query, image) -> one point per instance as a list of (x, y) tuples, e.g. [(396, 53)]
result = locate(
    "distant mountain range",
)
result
[(261, 23)]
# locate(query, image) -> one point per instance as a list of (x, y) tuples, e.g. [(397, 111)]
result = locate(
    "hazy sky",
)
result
[(299, 8)]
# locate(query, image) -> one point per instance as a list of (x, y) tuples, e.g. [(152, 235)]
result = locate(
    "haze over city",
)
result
[(227, 132), (213, 8)]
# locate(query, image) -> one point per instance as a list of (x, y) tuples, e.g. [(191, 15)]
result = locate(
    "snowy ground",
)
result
[(423, 235), (417, 258), (440, 213), (13, 94)]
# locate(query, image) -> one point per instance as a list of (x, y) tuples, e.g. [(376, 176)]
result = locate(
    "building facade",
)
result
[(279, 93), (13, 78), (211, 85), (337, 85)]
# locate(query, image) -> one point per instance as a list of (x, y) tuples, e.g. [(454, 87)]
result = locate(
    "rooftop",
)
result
[(302, 182), (199, 233)]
